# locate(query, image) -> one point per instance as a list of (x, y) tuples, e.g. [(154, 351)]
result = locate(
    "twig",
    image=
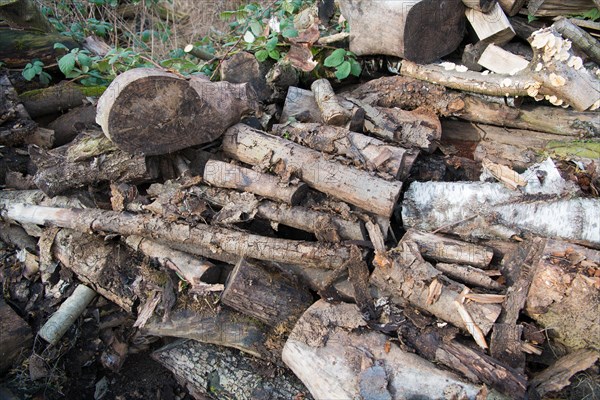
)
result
[(455, 223)]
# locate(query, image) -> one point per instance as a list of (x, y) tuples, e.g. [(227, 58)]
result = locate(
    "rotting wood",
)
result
[(19, 47), (331, 111), (58, 98), (265, 295), (15, 123), (579, 37), (471, 54), (207, 370), (361, 150), (225, 175), (468, 275), (345, 183), (492, 26), (67, 126), (480, 5), (15, 336), (331, 351), (242, 67), (551, 8), (24, 14), (162, 123)]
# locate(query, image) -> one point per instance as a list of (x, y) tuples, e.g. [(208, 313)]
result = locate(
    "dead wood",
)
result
[(58, 98), (579, 37), (67, 126), (337, 357), (331, 110), (342, 182), (480, 5), (16, 236), (500, 61), (15, 336), (206, 370), (16, 125), (24, 14), (225, 175), (558, 375), (551, 8), (163, 121), (469, 275), (19, 47), (512, 7), (492, 26), (242, 67)]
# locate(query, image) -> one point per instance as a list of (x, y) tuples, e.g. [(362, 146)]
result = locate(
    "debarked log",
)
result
[(331, 110), (332, 351), (209, 239), (361, 150), (342, 182)]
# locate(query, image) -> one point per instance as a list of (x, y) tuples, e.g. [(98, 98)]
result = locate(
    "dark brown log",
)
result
[(243, 67), (225, 175), (24, 14), (170, 113), (89, 160), (209, 370), (360, 150), (480, 5), (265, 295), (471, 54), (413, 31), (492, 26), (552, 8), (67, 126), (58, 98), (345, 183), (16, 236), (15, 336)]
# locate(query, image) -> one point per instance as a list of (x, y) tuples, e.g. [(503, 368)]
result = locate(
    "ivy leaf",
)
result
[(335, 59), (355, 68), (262, 55), (343, 71), (28, 72), (272, 43), (67, 63), (274, 54)]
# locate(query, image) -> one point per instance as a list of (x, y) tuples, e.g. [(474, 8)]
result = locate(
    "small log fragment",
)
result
[(500, 61), (96, 46), (15, 336), (331, 111), (24, 14), (336, 357), (449, 250), (558, 375), (225, 175), (58, 98), (361, 150), (468, 275), (552, 8), (243, 67), (492, 26), (345, 183), (265, 295), (207, 370), (471, 55), (400, 282), (67, 126), (16, 125), (512, 7), (198, 52), (54, 329), (172, 113), (413, 31), (16, 236), (480, 5), (579, 37)]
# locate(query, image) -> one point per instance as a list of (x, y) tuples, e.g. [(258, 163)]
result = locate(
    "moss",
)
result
[(584, 149), (86, 91)]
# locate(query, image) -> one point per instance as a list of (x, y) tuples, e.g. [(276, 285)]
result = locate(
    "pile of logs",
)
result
[(421, 235)]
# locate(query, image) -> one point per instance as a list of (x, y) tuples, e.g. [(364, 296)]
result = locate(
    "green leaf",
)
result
[(272, 44), (335, 59), (45, 78), (28, 72), (67, 63), (274, 54), (355, 68), (343, 71), (256, 28), (289, 33), (60, 46), (262, 55), (592, 14), (84, 60)]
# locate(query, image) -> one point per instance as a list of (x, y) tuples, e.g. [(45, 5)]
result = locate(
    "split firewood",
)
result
[(54, 329), (409, 33), (331, 111), (163, 119), (15, 123), (564, 295), (333, 353), (361, 150), (411, 279), (225, 175), (265, 295), (445, 249), (492, 26), (15, 336), (500, 61), (89, 160), (512, 7), (342, 182), (488, 210), (209, 240), (579, 37), (214, 370), (552, 8)]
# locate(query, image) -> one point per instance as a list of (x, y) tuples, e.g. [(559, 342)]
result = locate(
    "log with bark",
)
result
[(512, 7), (579, 37), (67, 126), (19, 47), (331, 110), (15, 336), (342, 182), (171, 113), (417, 30), (360, 150), (551, 8), (58, 98), (242, 67), (332, 351)]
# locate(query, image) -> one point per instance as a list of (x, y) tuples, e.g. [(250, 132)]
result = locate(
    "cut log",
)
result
[(199, 53), (15, 336), (19, 47), (417, 30), (89, 160), (492, 26), (58, 98), (471, 55), (342, 182), (500, 61), (331, 111), (579, 37), (564, 294), (480, 5), (243, 67), (512, 7), (331, 351), (449, 250), (170, 113), (265, 295), (212, 240), (360, 150), (466, 209), (67, 126), (469, 275), (96, 46), (208, 370), (552, 8), (24, 14), (225, 175)]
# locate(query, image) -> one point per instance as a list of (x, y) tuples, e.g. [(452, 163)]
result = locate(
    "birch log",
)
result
[(342, 182), (332, 351)]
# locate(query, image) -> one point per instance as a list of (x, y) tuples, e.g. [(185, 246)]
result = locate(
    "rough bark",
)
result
[(342, 182), (24, 14), (265, 295), (16, 236), (225, 175), (15, 336), (243, 67), (331, 110), (552, 8), (411, 279), (336, 357), (579, 37), (492, 26), (67, 126), (360, 150), (19, 47), (471, 54), (58, 98), (154, 112), (16, 125), (469, 275), (480, 5), (209, 370), (512, 7), (420, 31)]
